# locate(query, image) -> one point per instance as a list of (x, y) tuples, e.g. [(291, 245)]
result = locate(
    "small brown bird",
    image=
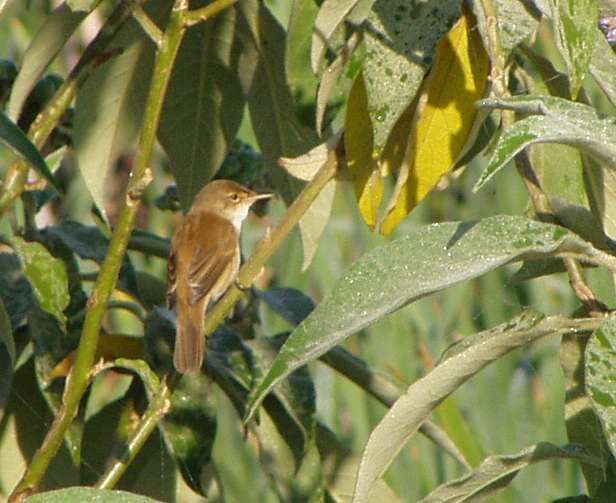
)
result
[(204, 262)]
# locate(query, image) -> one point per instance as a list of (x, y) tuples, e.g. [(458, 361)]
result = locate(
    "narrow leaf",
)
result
[(575, 26), (47, 275), (297, 53), (6, 334), (601, 68), (331, 14), (14, 138), (424, 261), (497, 471), (108, 109), (600, 374), (400, 41), (446, 115), (423, 396), (559, 121), (46, 44), (293, 305), (204, 104), (358, 143)]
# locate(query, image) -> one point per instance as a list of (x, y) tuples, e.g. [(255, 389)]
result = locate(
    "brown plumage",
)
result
[(204, 262)]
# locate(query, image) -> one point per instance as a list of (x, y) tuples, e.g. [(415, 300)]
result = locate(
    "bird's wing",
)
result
[(211, 266), (171, 275)]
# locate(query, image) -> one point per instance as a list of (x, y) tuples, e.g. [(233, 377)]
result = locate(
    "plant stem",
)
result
[(158, 407), (17, 173), (269, 244), (77, 380), (538, 198), (201, 14)]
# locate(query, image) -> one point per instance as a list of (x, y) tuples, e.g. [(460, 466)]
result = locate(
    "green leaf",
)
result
[(12, 136), (270, 103), (47, 276), (82, 5), (6, 333), (108, 111), (601, 65), (297, 53), (515, 23), (45, 46), (558, 121), (400, 44), (459, 364), (293, 305), (332, 14), (600, 374), (576, 33), (15, 290), (583, 425), (426, 260), (88, 495), (190, 428), (496, 472), (204, 104)]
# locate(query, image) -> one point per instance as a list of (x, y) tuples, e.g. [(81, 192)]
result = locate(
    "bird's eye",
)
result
[(235, 197)]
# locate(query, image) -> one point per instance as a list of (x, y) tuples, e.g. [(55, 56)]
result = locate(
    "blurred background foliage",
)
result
[(515, 402)]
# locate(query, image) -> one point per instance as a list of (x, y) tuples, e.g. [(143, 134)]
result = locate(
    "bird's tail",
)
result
[(189, 342)]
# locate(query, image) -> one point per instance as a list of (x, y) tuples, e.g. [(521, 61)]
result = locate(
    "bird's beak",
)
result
[(258, 197)]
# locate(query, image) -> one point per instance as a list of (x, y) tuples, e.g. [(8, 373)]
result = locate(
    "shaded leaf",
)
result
[(293, 305), (297, 52), (575, 29), (15, 290), (600, 378), (332, 14), (496, 472), (82, 5), (44, 47), (204, 104), (583, 425), (559, 121), (108, 111), (422, 262), (47, 276), (459, 364), (601, 191), (400, 43), (445, 117), (190, 428), (89, 243), (601, 68), (14, 138), (358, 145), (515, 23), (88, 495), (6, 333)]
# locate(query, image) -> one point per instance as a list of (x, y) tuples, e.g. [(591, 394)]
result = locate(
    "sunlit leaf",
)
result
[(496, 472), (400, 41), (422, 262), (458, 365), (82, 5), (204, 102), (575, 29), (601, 65), (88, 495), (47, 276), (49, 39), (358, 143), (559, 121), (14, 138), (297, 53), (446, 114), (600, 376)]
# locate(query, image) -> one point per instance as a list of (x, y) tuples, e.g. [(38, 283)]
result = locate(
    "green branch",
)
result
[(94, 55), (78, 379)]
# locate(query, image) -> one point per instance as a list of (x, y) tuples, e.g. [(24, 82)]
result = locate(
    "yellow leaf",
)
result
[(358, 143), (444, 118)]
